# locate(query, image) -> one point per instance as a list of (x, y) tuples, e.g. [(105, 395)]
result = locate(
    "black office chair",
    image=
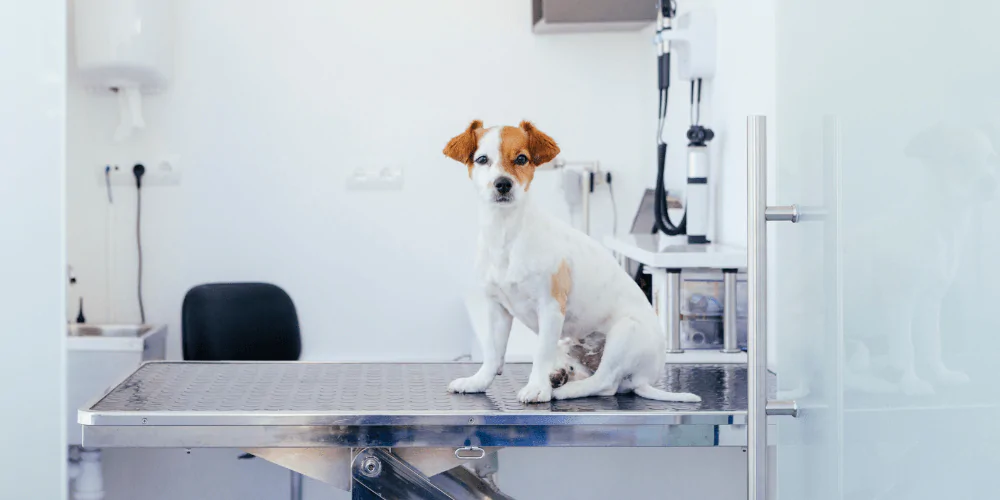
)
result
[(241, 322)]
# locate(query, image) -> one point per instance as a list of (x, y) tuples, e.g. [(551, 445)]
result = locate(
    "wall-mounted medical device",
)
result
[(692, 37), (124, 46)]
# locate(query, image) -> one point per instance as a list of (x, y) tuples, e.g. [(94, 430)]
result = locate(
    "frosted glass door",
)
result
[(885, 306)]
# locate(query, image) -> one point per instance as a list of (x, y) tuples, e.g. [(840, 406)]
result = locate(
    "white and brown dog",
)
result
[(563, 285)]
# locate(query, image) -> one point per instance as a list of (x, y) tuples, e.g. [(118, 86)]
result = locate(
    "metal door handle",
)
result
[(757, 216)]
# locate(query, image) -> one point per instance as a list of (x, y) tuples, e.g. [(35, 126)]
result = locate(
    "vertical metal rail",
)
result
[(586, 184), (673, 309), (834, 251), (757, 307), (296, 486)]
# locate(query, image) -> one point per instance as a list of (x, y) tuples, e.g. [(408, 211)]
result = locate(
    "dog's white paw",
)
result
[(471, 384), (951, 377), (913, 386), (535, 393)]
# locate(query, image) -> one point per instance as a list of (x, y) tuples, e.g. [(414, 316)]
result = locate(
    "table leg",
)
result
[(729, 334)]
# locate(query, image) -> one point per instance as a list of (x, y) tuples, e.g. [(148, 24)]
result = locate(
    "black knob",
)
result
[(698, 135)]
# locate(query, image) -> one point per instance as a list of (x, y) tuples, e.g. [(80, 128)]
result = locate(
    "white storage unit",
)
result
[(99, 356)]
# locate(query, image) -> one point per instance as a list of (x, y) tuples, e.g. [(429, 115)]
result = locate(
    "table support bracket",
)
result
[(377, 473)]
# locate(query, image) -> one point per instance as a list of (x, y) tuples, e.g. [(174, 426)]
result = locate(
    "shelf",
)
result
[(591, 16), (656, 252)]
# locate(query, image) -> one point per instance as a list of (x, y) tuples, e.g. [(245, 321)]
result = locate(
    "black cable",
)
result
[(659, 120), (660, 205), (138, 241), (697, 104), (139, 170), (691, 112)]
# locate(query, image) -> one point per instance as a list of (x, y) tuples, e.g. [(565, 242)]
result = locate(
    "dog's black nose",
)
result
[(503, 185)]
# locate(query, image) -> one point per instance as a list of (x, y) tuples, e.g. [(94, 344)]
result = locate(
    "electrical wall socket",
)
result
[(161, 172), (386, 179), (572, 182)]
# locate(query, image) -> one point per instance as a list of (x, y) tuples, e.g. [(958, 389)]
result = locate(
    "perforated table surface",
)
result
[(303, 404)]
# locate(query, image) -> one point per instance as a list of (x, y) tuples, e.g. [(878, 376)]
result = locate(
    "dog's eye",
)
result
[(571, 368), (520, 160), (482, 160)]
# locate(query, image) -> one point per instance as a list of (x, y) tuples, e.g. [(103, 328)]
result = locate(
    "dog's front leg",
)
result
[(550, 325), (494, 349)]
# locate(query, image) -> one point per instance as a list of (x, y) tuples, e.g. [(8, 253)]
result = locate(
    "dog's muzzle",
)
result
[(503, 189)]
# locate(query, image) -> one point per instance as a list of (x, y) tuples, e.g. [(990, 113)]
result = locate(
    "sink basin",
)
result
[(100, 355), (88, 330), (114, 337)]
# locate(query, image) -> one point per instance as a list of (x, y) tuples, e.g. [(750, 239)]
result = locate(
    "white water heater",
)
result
[(125, 46)]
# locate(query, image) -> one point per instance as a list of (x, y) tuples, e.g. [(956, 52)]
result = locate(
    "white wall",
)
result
[(32, 255), (273, 105), (271, 109), (244, 128), (744, 86)]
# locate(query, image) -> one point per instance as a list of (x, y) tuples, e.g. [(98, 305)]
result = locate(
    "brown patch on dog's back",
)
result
[(562, 282)]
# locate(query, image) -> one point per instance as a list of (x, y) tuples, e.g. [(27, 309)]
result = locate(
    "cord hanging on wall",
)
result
[(139, 170)]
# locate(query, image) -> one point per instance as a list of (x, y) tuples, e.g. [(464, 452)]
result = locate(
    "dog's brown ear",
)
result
[(462, 146), (542, 147)]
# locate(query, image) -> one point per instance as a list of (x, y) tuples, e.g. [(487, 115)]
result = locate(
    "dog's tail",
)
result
[(649, 392)]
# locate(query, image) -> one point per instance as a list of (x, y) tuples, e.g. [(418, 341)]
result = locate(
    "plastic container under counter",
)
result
[(702, 299)]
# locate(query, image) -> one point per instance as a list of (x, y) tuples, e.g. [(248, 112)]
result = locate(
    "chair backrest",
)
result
[(239, 322)]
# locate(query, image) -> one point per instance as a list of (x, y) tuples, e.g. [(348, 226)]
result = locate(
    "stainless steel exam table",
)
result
[(391, 430)]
